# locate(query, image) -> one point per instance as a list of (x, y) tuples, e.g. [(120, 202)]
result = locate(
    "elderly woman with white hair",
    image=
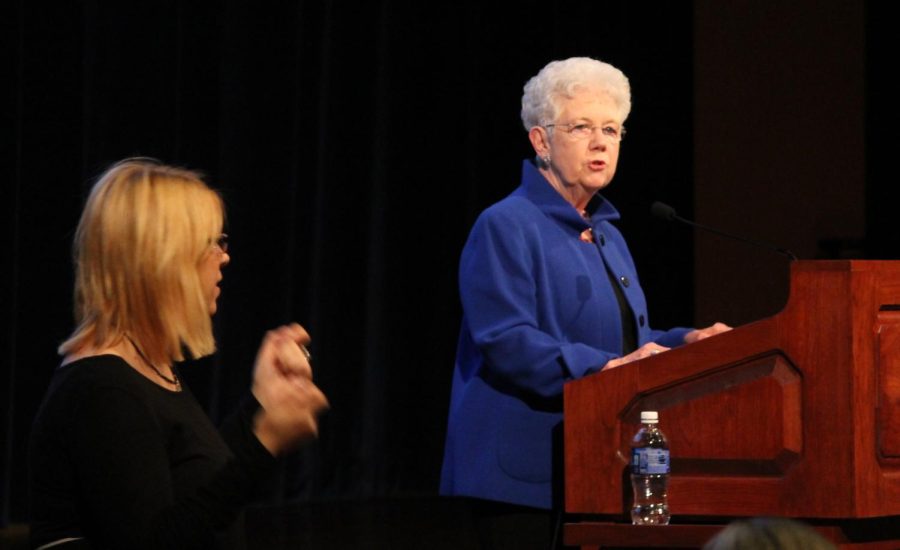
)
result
[(550, 294)]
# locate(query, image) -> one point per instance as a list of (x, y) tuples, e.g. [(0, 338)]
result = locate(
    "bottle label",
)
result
[(646, 460)]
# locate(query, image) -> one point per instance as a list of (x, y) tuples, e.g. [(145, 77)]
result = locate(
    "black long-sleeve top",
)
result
[(117, 461)]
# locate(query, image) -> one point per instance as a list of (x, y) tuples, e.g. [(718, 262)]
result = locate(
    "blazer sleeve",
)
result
[(499, 297)]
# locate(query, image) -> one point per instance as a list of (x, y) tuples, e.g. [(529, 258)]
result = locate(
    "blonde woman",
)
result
[(122, 456)]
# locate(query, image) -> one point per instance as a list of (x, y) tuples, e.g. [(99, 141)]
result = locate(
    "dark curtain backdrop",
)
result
[(354, 143), (882, 135)]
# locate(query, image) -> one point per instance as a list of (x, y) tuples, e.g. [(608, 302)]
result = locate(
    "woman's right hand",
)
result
[(282, 384), (642, 352)]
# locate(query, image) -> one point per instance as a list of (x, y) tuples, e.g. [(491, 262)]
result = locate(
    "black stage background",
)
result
[(354, 142)]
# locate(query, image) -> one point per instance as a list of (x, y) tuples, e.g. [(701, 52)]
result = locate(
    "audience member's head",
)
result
[(768, 534)]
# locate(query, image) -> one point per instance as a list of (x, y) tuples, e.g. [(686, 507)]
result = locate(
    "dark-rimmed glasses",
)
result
[(221, 243)]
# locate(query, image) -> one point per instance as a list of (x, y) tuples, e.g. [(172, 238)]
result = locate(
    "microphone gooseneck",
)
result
[(666, 212)]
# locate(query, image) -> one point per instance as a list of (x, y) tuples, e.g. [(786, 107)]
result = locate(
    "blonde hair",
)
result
[(144, 229), (562, 79)]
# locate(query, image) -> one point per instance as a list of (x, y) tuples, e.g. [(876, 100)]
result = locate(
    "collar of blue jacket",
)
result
[(538, 190)]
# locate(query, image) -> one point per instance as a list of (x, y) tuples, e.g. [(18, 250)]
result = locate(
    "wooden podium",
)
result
[(797, 415)]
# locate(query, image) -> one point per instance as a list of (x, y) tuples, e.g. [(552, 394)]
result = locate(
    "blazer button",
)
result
[(602, 240), (641, 320), (625, 281)]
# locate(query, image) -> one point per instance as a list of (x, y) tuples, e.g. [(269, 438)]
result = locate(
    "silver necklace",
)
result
[(174, 380)]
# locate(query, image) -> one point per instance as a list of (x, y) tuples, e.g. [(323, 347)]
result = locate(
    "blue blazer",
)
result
[(539, 309)]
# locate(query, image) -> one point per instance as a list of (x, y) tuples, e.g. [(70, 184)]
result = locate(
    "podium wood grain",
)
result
[(796, 415)]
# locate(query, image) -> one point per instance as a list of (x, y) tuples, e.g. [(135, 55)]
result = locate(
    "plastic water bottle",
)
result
[(650, 473)]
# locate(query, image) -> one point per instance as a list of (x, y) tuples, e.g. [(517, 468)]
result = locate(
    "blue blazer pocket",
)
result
[(525, 444)]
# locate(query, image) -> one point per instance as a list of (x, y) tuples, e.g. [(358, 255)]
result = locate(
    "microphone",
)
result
[(666, 212)]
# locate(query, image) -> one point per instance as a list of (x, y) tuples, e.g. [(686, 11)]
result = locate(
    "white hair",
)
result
[(540, 100)]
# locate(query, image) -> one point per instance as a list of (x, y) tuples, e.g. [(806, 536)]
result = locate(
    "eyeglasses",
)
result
[(221, 243), (583, 130)]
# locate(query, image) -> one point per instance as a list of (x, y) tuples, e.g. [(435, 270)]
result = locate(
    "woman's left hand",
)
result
[(701, 333), (282, 384)]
